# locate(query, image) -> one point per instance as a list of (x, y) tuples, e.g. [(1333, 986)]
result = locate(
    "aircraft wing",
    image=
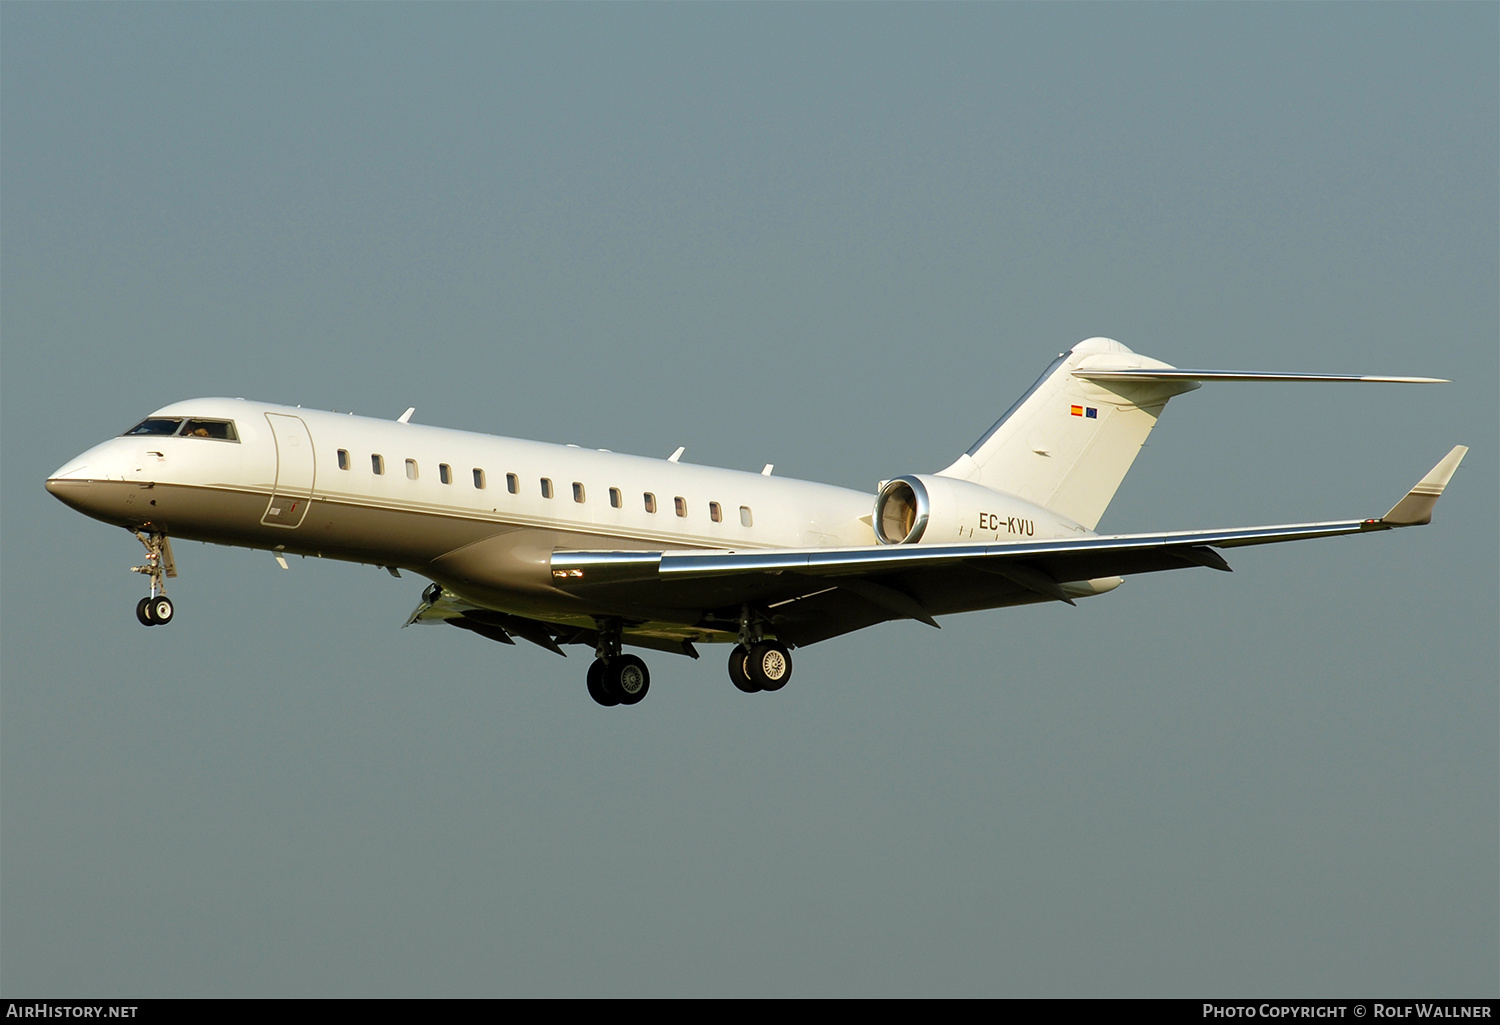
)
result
[(811, 594)]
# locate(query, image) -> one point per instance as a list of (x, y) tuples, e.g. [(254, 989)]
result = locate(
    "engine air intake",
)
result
[(901, 511)]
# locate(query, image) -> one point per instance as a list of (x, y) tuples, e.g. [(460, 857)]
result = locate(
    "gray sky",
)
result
[(839, 238)]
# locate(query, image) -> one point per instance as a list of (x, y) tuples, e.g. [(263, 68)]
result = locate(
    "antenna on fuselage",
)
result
[(677, 455), (405, 417)]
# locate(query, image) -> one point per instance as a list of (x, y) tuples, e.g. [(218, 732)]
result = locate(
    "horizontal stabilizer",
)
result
[(1068, 442), (1153, 374), (1416, 507)]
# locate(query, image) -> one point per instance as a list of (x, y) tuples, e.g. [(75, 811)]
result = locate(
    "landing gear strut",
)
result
[(156, 608), (614, 678)]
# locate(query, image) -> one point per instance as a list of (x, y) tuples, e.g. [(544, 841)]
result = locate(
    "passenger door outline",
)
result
[(295, 472)]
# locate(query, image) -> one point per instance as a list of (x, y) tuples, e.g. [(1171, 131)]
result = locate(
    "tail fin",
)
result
[(1068, 442)]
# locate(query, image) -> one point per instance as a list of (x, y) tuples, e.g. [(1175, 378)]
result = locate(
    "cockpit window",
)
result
[(220, 430), (156, 425), (223, 430)]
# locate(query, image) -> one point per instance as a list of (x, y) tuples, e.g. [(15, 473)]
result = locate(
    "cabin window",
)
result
[(478, 478), (746, 520), (546, 487), (680, 504), (220, 430), (445, 473), (578, 495), (156, 425), (512, 484), (650, 502), (615, 498), (377, 463), (411, 469), (715, 513), (343, 459)]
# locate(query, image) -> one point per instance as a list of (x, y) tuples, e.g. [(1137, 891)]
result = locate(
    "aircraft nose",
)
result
[(69, 486), (81, 484), (73, 469), (63, 480)]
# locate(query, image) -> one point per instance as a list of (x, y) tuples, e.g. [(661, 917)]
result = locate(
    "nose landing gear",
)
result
[(156, 608)]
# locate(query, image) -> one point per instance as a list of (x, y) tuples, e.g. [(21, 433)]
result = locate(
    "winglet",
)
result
[(1416, 507)]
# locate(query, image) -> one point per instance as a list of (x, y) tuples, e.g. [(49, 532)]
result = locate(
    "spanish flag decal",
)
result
[(1086, 411)]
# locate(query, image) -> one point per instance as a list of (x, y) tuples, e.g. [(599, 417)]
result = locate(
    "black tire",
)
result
[(143, 612), (629, 678), (161, 610), (769, 665), (597, 689), (739, 672)]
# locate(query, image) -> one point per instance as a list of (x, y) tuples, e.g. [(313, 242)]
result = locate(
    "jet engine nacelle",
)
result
[(921, 508)]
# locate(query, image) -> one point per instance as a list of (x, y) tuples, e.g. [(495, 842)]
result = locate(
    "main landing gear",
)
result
[(756, 664), (156, 608), (765, 665), (620, 680), (615, 678)]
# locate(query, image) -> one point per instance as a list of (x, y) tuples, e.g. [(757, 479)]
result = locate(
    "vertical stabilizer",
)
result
[(1068, 442)]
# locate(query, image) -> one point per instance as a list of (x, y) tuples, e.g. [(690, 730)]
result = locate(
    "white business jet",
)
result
[(558, 545)]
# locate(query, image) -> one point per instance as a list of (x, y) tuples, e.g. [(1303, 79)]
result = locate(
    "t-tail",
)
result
[(1069, 441)]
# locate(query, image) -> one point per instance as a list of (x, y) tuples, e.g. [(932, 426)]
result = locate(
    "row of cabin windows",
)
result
[(513, 485)]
